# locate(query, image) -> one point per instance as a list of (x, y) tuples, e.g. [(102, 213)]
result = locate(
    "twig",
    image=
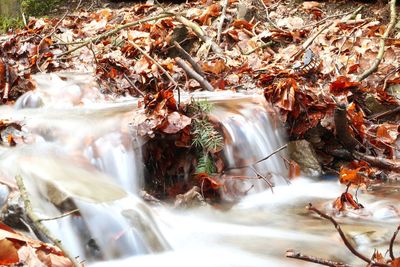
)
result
[(193, 74), (221, 20), (390, 164), (114, 31), (7, 81), (392, 243), (36, 221), (309, 41), (188, 58), (59, 216), (325, 19), (258, 161), (299, 256), (344, 238), (44, 38), (381, 51), (155, 62), (264, 45), (199, 32), (268, 18), (384, 113), (133, 85)]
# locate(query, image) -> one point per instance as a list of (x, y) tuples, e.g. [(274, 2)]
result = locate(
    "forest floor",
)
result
[(330, 69)]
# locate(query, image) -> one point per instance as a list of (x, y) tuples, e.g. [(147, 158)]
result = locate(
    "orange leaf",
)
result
[(294, 169), (395, 263), (342, 85), (350, 176), (387, 133), (8, 252)]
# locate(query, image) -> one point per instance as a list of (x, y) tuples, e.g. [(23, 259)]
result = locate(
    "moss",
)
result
[(9, 23), (39, 7)]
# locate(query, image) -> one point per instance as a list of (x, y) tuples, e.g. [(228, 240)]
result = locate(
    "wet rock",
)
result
[(303, 153), (31, 99), (190, 199), (374, 105), (13, 212)]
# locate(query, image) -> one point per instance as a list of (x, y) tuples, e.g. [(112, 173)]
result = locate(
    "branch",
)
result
[(381, 52), (114, 31), (221, 20), (59, 216), (199, 32), (193, 74), (36, 221), (344, 238), (133, 85), (342, 128), (189, 58), (155, 62), (299, 256), (392, 243), (390, 164)]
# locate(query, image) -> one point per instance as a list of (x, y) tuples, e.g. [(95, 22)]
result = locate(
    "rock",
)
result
[(303, 153), (245, 11), (190, 199), (374, 105)]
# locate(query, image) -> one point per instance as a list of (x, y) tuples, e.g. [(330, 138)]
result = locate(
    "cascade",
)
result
[(86, 155)]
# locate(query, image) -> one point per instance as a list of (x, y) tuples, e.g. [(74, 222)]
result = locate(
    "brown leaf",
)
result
[(174, 123)]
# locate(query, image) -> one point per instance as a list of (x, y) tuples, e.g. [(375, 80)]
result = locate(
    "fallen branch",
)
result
[(221, 20), (59, 216), (392, 243), (114, 31), (390, 164), (189, 59), (381, 52), (133, 85), (36, 221), (7, 85), (342, 128), (310, 40), (155, 62), (384, 113), (299, 256), (199, 32), (344, 238), (193, 74)]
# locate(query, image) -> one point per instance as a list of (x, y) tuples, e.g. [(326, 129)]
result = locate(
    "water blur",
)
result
[(75, 148)]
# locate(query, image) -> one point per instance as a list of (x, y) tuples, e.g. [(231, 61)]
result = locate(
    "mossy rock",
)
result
[(39, 7)]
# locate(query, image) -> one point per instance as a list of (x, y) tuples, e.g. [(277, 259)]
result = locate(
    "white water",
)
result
[(87, 153)]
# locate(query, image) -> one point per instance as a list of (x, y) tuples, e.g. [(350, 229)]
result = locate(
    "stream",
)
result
[(78, 144)]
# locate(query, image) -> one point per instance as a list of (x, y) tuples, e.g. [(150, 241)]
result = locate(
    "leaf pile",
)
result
[(16, 249)]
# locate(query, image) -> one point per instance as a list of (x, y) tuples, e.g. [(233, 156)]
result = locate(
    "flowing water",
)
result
[(76, 144)]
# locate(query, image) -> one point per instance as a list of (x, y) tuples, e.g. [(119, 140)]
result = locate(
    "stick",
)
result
[(344, 238), (381, 51), (221, 20), (342, 128), (36, 221), (309, 41), (133, 85), (187, 57), (193, 74), (390, 164), (199, 32), (299, 256), (325, 19), (155, 62), (114, 31), (384, 113), (392, 243), (7, 82), (59, 216)]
